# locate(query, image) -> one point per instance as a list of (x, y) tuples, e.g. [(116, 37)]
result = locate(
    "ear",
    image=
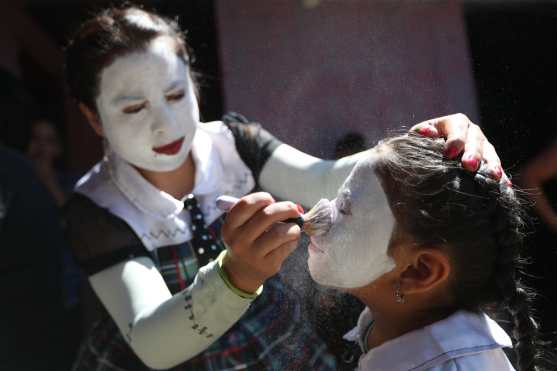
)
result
[(92, 118), (428, 270)]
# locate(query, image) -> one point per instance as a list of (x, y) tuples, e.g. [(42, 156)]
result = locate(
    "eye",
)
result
[(134, 108), (344, 207), (175, 96)]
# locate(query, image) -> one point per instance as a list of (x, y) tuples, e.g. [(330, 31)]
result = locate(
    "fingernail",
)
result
[(300, 208), (509, 183), (471, 162), (498, 172), (451, 152), (426, 131)]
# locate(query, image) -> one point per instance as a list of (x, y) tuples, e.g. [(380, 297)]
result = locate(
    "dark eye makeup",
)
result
[(344, 206), (134, 109), (176, 96)]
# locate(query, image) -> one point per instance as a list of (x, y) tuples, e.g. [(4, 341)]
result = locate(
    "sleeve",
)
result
[(293, 175), (98, 238), (138, 300), (255, 145), (134, 293), (284, 171)]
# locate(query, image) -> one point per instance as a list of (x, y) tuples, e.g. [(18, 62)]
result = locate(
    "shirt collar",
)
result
[(151, 200), (459, 334)]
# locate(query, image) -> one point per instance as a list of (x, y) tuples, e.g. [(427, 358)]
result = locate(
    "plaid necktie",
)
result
[(205, 246)]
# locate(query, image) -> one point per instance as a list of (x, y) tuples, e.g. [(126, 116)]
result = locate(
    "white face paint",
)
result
[(353, 252), (147, 107)]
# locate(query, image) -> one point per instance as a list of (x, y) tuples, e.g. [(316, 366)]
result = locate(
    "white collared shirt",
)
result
[(155, 216), (464, 341)]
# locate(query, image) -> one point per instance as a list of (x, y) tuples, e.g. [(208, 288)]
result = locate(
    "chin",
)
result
[(318, 268), (165, 163)]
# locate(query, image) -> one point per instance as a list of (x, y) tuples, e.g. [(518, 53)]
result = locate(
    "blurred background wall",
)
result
[(312, 71)]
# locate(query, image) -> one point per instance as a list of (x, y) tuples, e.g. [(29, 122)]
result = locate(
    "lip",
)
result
[(170, 148)]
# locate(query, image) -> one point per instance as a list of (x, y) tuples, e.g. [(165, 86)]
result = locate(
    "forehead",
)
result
[(157, 65), (363, 172)]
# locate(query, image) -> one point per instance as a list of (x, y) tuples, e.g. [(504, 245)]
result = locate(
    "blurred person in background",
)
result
[(32, 314), (350, 144), (45, 152), (537, 177)]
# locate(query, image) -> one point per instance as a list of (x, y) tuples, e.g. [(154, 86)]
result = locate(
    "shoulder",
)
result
[(252, 142), (98, 238), (492, 359)]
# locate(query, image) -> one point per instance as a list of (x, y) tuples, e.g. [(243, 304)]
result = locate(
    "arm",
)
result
[(135, 295), (295, 175), (536, 172), (291, 174)]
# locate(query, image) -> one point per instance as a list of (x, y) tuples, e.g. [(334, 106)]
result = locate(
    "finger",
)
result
[(279, 255), (492, 161), (426, 128), (263, 219), (246, 208), (277, 235), (455, 129), (473, 148)]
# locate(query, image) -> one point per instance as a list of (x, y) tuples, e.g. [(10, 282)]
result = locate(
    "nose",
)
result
[(163, 121)]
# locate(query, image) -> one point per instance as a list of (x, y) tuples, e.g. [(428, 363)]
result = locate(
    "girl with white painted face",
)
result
[(144, 225), (427, 247)]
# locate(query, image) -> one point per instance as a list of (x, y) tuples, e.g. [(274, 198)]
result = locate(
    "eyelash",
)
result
[(138, 107), (344, 209), (176, 96), (134, 109)]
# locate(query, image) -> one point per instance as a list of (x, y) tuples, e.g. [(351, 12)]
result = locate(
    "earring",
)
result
[(399, 296)]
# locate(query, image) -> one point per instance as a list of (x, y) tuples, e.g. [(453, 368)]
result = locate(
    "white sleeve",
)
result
[(165, 330), (294, 175)]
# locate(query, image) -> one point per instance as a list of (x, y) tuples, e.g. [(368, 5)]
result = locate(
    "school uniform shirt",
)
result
[(117, 215), (464, 341)]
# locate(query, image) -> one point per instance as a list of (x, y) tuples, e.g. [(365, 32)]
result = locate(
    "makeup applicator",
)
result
[(316, 221)]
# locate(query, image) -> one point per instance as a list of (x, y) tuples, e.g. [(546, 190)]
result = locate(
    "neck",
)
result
[(396, 319), (177, 183)]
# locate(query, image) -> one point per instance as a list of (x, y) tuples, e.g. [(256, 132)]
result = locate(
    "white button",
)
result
[(201, 250)]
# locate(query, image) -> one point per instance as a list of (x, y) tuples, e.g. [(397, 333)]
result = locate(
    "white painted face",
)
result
[(353, 252), (147, 107)]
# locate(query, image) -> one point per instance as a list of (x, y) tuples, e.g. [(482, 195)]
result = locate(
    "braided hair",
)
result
[(479, 222)]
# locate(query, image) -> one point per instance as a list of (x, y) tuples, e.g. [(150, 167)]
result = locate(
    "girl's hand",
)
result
[(257, 244), (463, 135)]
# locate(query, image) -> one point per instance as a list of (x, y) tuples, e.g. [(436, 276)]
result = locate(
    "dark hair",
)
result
[(479, 222), (107, 36)]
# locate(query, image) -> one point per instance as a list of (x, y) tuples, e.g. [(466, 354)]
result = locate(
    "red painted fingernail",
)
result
[(471, 162), (300, 208), (509, 183), (498, 172), (426, 131), (451, 152)]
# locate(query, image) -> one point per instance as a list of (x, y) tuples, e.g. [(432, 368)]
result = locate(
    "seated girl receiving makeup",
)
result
[(427, 246)]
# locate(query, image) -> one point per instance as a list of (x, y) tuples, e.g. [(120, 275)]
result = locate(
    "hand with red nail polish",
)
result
[(466, 138)]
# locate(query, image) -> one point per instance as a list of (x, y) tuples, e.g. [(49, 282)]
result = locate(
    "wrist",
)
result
[(240, 284)]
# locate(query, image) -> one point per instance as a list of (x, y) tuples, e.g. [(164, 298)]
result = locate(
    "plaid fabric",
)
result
[(178, 264), (274, 334)]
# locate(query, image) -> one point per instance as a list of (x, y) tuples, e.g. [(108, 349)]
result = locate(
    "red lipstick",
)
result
[(170, 148)]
